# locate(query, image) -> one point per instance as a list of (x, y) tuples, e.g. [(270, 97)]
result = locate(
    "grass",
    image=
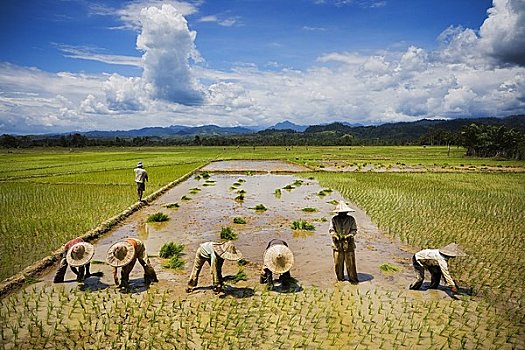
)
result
[(260, 207), (172, 205), (309, 210), (482, 211), (157, 217), (239, 220), (389, 268), (228, 234), (302, 225), (170, 249)]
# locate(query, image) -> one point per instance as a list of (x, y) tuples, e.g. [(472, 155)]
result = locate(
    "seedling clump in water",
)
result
[(302, 225), (158, 217), (228, 234), (239, 220), (260, 207), (170, 249)]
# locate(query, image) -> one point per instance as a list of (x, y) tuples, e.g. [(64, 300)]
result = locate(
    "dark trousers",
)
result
[(435, 275), (82, 272), (149, 272), (267, 277)]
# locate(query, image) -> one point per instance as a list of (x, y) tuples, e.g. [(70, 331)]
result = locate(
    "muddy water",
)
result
[(211, 205)]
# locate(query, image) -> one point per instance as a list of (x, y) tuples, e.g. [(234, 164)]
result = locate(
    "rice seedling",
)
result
[(228, 234), (194, 190), (175, 262), (309, 210), (333, 202), (239, 220), (388, 268), (260, 207), (205, 175), (172, 205), (288, 187), (157, 217), (302, 225), (185, 198), (240, 198), (277, 193), (239, 276), (170, 249), (324, 192)]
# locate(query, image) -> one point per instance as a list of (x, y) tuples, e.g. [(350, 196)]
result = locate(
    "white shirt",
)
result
[(432, 257)]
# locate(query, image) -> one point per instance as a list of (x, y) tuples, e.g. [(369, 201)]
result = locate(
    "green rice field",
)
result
[(50, 196)]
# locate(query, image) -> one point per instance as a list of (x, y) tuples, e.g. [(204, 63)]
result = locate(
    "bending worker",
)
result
[(77, 254), (435, 261), (343, 228), (278, 258), (214, 254), (125, 254)]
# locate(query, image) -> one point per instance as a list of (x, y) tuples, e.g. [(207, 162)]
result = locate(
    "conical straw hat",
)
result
[(227, 251), (79, 254), (278, 258), (452, 250), (120, 254), (342, 207)]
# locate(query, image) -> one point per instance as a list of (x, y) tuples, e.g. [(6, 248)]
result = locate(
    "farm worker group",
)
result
[(124, 254), (277, 258)]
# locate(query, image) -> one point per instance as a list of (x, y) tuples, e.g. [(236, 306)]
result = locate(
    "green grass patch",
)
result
[(309, 210), (239, 220), (302, 225), (157, 217), (389, 268), (260, 207), (172, 205), (228, 234), (170, 249)]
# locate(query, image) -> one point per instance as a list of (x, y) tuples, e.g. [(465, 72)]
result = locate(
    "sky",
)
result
[(80, 65)]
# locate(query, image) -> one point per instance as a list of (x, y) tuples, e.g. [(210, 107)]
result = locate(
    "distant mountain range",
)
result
[(400, 129)]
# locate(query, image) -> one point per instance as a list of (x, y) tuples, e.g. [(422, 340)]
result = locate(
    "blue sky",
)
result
[(72, 65)]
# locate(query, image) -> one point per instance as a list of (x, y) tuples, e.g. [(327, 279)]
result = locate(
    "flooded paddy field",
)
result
[(318, 313)]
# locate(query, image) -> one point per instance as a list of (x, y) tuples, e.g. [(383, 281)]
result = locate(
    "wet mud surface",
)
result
[(210, 204)]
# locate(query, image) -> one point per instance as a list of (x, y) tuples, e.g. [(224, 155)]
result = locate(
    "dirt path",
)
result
[(213, 206)]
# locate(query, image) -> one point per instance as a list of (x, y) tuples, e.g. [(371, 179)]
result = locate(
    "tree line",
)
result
[(480, 140)]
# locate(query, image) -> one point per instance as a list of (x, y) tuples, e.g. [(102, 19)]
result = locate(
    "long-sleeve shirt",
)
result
[(140, 175), (432, 257), (343, 229), (206, 252)]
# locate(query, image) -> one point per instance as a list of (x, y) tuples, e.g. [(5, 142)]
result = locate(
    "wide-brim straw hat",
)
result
[(452, 250), (278, 258), (342, 207), (120, 254), (79, 254), (227, 251)]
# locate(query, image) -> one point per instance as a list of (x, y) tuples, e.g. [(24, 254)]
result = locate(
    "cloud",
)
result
[(88, 53), (463, 77), (225, 22), (168, 46), (503, 32)]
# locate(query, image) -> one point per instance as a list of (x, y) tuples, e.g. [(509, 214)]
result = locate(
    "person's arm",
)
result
[(115, 277)]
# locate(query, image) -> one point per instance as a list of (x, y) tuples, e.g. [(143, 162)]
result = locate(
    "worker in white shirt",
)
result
[(436, 262)]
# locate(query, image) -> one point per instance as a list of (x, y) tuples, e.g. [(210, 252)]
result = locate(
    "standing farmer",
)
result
[(343, 229), (214, 254), (77, 254), (435, 261), (125, 254), (141, 176)]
